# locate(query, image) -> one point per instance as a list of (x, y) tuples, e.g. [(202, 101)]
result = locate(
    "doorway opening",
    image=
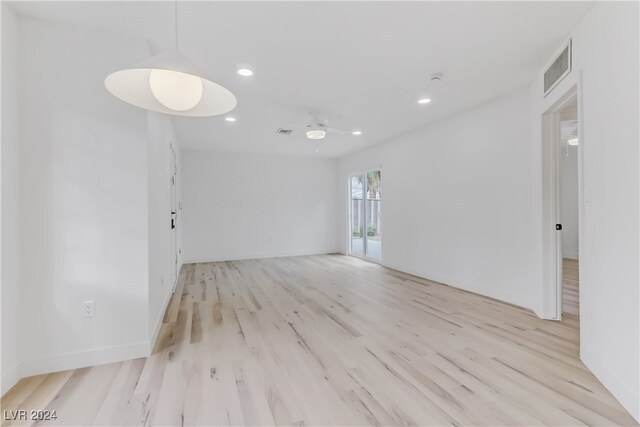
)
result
[(568, 175), (365, 215), (562, 189)]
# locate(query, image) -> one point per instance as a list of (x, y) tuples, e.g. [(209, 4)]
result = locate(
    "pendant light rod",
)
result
[(175, 22)]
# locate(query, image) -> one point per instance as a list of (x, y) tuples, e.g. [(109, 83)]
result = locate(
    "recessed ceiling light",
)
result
[(356, 132), (245, 72), (424, 100), (230, 119)]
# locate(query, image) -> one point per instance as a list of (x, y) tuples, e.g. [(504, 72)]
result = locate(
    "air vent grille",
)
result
[(284, 131), (560, 67)]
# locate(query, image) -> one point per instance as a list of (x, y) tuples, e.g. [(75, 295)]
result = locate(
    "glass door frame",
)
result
[(365, 213)]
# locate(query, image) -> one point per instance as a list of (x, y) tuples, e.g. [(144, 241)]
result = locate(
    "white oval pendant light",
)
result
[(170, 83)]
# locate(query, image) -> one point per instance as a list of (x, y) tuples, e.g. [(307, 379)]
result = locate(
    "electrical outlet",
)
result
[(89, 308)]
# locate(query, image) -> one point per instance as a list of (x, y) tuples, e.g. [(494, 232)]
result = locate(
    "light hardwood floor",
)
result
[(570, 287), (333, 340)]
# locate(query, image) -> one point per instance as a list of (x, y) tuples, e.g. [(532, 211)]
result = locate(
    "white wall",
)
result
[(569, 200), (605, 60), (93, 197), (458, 200), (239, 206), (10, 295)]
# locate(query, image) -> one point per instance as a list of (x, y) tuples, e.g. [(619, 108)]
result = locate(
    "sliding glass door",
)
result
[(365, 216)]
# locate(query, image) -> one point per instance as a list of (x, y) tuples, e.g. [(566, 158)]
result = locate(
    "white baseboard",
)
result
[(76, 360), (570, 255), (9, 379), (158, 324), (258, 255), (515, 299), (83, 359), (621, 390)]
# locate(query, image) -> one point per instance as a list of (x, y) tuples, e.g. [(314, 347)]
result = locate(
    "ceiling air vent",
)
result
[(284, 131), (560, 67)]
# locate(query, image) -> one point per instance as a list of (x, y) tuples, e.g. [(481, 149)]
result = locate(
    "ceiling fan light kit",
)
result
[(316, 134)]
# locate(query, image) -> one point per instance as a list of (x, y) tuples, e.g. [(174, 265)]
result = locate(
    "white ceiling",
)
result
[(362, 64)]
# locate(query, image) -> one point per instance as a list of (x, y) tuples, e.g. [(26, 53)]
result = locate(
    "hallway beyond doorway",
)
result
[(570, 287)]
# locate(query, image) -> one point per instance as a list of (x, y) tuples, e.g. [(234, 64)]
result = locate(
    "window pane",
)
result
[(373, 212), (357, 216)]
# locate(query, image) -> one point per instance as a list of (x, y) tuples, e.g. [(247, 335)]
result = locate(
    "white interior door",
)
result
[(558, 212), (174, 216)]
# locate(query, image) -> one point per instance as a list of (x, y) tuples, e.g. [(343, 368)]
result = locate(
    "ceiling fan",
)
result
[(316, 129)]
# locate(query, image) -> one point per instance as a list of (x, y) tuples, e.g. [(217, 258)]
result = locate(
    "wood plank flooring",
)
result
[(333, 340), (570, 287)]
